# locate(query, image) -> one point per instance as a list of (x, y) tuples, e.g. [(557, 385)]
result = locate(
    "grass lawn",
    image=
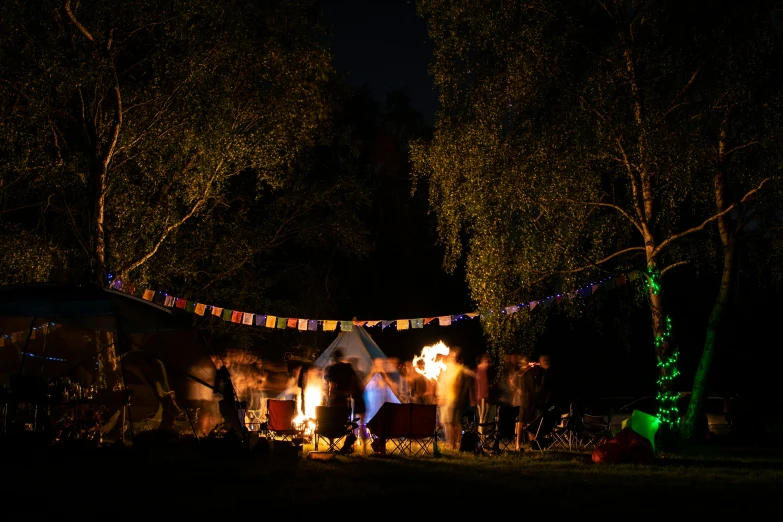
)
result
[(717, 481)]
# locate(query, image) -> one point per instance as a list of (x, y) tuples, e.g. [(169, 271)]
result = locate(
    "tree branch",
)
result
[(739, 147), (608, 205), (593, 264), (76, 22), (165, 234), (709, 220), (674, 104), (634, 187), (115, 134), (673, 265)]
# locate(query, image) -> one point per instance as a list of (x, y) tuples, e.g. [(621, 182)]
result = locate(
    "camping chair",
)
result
[(423, 423), (541, 428), (595, 431), (567, 434), (501, 433), (280, 421), (397, 427), (332, 424)]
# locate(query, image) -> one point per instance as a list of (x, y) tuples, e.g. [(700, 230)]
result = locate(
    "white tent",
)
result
[(367, 359)]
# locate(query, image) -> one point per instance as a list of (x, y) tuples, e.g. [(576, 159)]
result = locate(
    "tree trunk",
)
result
[(727, 237), (99, 241)]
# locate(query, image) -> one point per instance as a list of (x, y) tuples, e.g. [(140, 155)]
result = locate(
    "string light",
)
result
[(668, 412)]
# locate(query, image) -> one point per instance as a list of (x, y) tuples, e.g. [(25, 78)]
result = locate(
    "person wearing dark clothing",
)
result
[(345, 388), (552, 390)]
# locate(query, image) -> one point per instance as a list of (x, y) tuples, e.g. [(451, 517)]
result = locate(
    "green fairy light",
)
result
[(668, 413), (654, 280)]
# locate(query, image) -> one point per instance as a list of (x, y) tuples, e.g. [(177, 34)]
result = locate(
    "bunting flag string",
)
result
[(329, 325)]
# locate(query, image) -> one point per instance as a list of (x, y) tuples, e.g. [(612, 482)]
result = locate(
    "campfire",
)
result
[(428, 363)]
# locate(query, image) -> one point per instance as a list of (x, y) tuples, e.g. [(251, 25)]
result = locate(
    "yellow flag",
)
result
[(216, 310), (271, 321), (148, 294), (200, 308), (330, 326), (403, 324)]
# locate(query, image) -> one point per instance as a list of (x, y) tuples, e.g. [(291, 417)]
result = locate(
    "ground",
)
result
[(716, 481)]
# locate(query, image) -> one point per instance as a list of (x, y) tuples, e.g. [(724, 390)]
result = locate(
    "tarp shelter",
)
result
[(104, 337), (359, 348)]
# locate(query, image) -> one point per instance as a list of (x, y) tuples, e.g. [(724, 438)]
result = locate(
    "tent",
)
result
[(370, 363), (53, 336)]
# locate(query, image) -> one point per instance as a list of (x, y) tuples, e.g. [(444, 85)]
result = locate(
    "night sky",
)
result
[(383, 44)]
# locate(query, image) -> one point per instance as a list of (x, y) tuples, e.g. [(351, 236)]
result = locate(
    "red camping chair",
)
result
[(423, 428), (280, 421), (391, 423)]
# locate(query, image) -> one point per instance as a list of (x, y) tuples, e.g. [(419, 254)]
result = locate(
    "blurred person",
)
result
[(453, 393), (423, 390), (345, 387), (552, 390), (528, 378), (506, 379), (405, 389), (343, 384), (481, 393)]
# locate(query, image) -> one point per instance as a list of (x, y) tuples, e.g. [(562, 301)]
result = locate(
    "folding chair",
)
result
[(398, 427), (541, 428), (566, 434), (280, 421), (595, 431), (423, 425), (501, 433), (332, 424)]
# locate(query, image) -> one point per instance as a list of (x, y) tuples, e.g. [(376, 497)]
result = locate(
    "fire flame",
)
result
[(313, 396), (427, 363)]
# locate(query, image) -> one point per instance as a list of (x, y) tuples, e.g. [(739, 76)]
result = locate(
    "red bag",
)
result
[(609, 453)]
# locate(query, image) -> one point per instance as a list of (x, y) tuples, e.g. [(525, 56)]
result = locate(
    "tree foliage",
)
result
[(573, 143), (125, 121)]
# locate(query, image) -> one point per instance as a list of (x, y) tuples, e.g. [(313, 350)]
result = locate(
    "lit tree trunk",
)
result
[(99, 239), (696, 404)]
